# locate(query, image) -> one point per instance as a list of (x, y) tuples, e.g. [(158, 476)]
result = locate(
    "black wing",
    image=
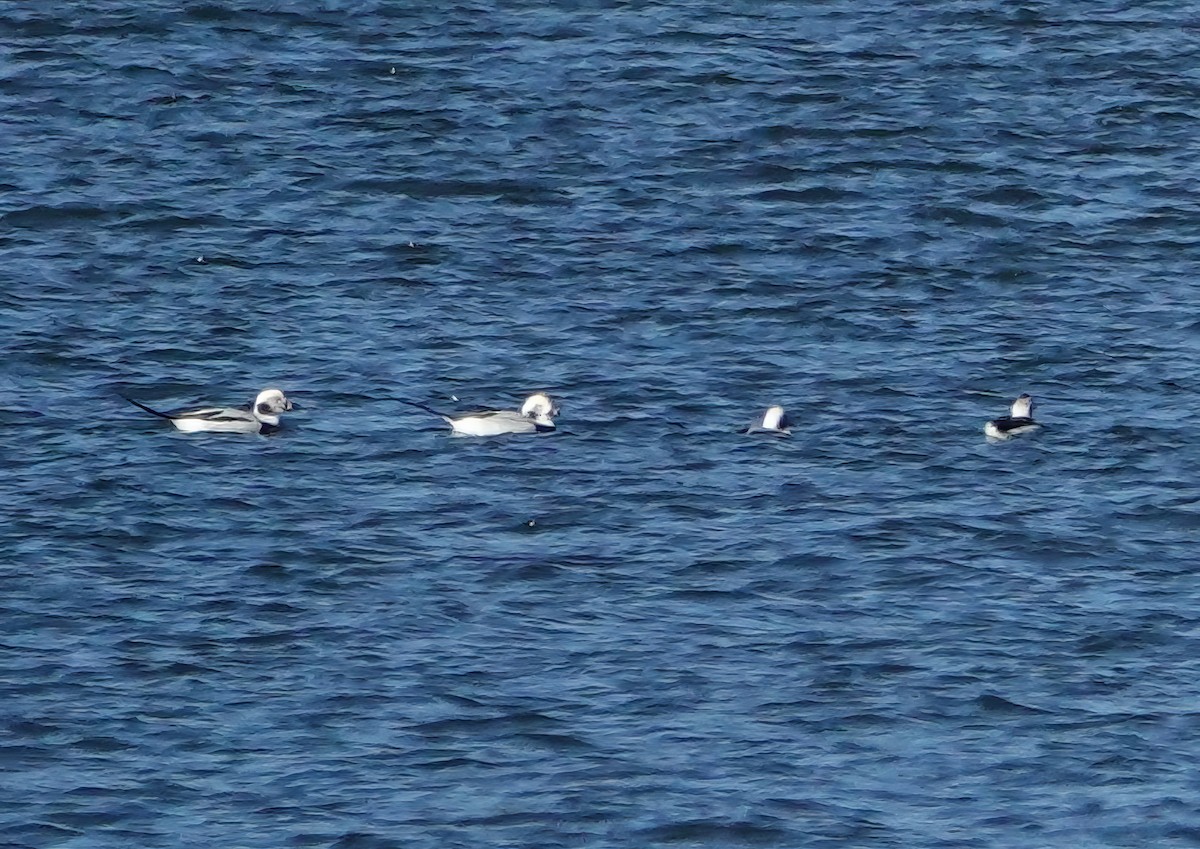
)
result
[(1007, 423), (214, 414)]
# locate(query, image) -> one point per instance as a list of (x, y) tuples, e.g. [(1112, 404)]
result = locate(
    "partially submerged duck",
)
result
[(1019, 420), (774, 420)]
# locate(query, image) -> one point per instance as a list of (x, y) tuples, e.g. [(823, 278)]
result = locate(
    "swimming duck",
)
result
[(260, 417), (535, 416)]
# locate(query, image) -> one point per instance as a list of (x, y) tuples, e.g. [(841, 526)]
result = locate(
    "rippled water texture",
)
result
[(644, 629)]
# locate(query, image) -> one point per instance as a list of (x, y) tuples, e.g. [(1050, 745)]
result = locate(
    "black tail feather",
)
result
[(423, 407), (147, 409)]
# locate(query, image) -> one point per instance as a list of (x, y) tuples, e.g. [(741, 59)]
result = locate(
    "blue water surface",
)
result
[(645, 629)]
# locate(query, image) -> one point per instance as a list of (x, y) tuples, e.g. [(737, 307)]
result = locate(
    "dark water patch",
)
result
[(161, 222), (999, 705), (510, 191), (815, 195), (364, 840), (63, 215), (710, 832), (101, 744), (523, 722)]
